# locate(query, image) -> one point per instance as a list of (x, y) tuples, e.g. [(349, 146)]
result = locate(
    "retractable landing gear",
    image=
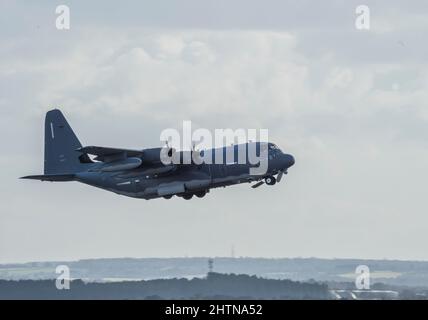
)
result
[(188, 196), (270, 180), (201, 194)]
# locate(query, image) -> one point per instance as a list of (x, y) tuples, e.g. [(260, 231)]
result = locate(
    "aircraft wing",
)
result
[(107, 154)]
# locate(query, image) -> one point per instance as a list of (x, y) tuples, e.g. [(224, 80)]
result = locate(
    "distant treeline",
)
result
[(391, 272), (214, 286)]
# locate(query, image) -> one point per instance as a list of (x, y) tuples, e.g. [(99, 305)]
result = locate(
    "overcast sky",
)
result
[(350, 105)]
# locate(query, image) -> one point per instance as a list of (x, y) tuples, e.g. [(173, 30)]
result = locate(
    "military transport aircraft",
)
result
[(141, 173)]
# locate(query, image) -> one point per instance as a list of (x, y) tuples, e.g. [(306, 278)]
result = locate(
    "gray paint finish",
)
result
[(140, 173)]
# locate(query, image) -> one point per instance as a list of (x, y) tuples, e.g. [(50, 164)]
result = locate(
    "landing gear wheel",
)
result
[(168, 196), (188, 196), (270, 180), (200, 194)]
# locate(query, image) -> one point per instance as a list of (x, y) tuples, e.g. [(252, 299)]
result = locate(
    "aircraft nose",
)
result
[(289, 160)]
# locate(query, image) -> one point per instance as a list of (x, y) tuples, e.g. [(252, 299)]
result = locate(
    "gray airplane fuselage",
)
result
[(159, 180), (142, 174)]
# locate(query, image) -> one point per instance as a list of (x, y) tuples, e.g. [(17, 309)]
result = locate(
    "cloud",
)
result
[(349, 105)]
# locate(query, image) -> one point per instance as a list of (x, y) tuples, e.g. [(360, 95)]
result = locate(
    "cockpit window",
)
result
[(273, 147)]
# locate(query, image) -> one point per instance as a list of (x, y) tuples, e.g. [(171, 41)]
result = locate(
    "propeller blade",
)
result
[(279, 176), (258, 184)]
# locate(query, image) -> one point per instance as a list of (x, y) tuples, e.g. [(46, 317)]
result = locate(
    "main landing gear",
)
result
[(199, 194)]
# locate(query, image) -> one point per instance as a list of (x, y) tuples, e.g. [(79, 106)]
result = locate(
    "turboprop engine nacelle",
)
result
[(153, 155)]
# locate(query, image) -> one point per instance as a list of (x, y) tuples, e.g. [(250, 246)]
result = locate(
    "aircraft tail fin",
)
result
[(61, 144)]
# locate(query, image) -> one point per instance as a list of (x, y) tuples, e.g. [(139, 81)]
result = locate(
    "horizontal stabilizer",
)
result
[(51, 177)]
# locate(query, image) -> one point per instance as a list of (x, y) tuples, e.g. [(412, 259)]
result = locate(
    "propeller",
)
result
[(196, 154)]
